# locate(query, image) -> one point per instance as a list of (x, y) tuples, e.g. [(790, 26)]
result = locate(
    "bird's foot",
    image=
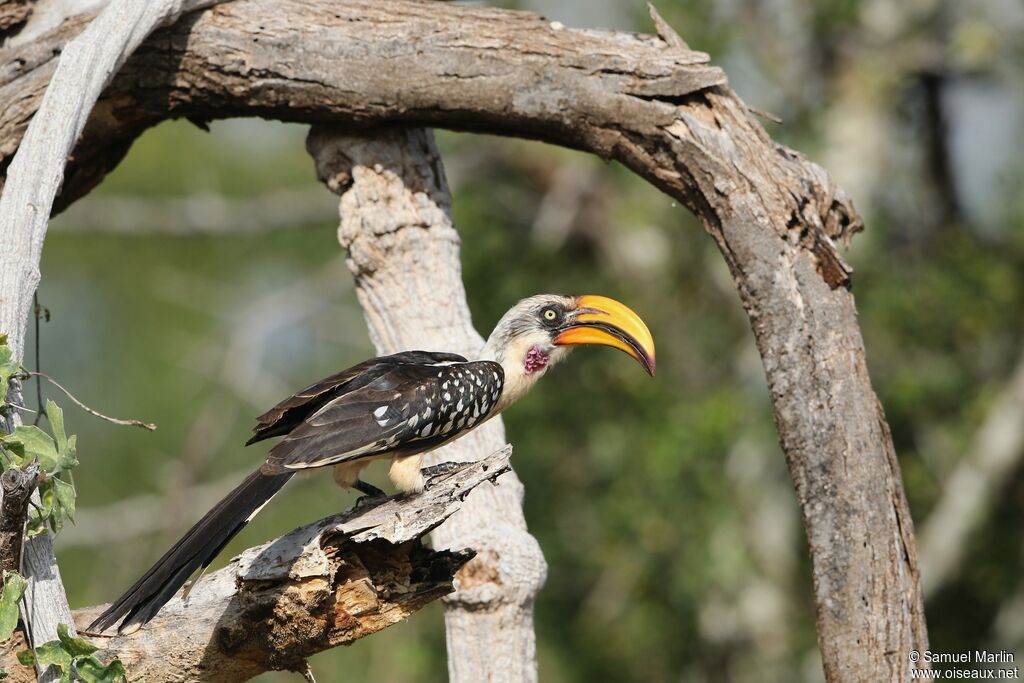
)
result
[(441, 469), (370, 492)]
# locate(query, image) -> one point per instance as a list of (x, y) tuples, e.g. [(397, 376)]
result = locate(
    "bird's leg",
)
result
[(368, 489), (442, 468)]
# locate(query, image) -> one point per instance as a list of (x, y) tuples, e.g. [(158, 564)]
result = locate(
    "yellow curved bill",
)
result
[(605, 321)]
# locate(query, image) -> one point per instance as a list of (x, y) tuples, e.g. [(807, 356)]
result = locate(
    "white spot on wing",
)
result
[(380, 411)]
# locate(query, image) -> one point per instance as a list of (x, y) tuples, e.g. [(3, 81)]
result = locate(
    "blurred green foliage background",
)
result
[(664, 507)]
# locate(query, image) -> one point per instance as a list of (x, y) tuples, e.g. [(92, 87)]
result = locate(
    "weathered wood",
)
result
[(404, 256), (320, 586), (13, 15), (17, 485), (650, 104)]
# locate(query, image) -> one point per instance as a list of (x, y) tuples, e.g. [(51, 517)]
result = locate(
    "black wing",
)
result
[(290, 413), (406, 409)]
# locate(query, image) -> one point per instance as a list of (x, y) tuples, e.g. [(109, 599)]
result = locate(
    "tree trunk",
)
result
[(404, 255)]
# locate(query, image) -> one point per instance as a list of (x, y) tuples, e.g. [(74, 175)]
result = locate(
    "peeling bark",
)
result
[(17, 485), (13, 15), (647, 102)]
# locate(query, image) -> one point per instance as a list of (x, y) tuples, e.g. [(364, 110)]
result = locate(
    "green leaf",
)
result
[(27, 658), (29, 441), (65, 446), (6, 369), (75, 647), (54, 653), (14, 588), (56, 418), (68, 459), (64, 498), (91, 670)]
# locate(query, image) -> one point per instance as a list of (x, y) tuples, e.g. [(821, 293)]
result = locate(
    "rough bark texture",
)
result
[(647, 102), (13, 15), (17, 486), (326, 584), (404, 255)]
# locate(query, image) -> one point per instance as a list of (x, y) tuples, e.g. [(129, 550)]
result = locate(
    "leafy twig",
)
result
[(129, 423)]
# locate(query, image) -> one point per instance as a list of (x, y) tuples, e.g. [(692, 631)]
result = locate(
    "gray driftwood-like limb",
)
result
[(323, 585), (404, 255), (17, 485), (33, 178), (645, 101)]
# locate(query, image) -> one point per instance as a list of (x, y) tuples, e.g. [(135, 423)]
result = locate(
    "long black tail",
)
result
[(197, 548)]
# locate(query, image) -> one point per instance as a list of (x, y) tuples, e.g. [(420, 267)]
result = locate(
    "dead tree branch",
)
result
[(647, 102), (323, 585)]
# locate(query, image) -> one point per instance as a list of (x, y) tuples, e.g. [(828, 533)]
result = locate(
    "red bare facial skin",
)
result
[(535, 360)]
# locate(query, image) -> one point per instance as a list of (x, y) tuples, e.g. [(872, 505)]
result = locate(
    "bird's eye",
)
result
[(550, 314)]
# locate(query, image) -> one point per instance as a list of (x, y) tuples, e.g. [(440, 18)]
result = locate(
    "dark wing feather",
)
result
[(407, 409), (289, 413)]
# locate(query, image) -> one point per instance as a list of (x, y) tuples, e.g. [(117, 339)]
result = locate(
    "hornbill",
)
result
[(398, 407)]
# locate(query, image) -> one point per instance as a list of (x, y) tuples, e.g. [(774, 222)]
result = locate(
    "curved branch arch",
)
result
[(652, 104)]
